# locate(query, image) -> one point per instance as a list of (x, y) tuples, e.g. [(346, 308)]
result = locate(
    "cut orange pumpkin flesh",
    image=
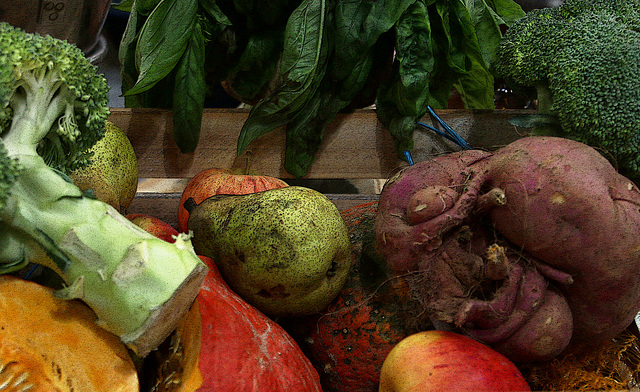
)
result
[(51, 344)]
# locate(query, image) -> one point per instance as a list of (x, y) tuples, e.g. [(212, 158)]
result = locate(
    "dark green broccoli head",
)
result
[(583, 61), (51, 98)]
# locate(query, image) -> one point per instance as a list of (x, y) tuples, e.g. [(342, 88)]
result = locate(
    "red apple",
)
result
[(445, 361), (155, 226), (216, 181)]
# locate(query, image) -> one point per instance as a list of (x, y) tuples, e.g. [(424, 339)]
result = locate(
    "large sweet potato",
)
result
[(531, 249), (568, 207)]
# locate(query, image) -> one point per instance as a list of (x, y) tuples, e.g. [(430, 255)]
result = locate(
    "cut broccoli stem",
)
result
[(137, 284), (545, 98), (53, 108), (12, 251)]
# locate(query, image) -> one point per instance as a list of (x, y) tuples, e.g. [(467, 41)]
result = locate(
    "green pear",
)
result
[(286, 251), (113, 173)]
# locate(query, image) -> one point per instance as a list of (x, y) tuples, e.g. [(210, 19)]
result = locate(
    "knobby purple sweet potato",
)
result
[(568, 207), (531, 249)]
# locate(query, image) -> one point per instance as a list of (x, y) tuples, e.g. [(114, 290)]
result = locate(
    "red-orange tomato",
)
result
[(211, 182), (155, 226), (445, 361)]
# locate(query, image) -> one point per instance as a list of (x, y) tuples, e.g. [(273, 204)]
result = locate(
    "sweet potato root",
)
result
[(533, 248)]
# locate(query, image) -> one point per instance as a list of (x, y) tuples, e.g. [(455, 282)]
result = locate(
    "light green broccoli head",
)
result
[(582, 60), (51, 98)]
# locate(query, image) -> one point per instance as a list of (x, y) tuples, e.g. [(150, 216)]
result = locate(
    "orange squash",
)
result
[(216, 181), (53, 344)]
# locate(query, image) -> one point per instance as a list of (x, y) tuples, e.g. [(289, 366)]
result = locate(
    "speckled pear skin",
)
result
[(286, 251), (113, 174)]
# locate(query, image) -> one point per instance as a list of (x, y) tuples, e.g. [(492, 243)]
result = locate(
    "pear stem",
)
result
[(190, 205)]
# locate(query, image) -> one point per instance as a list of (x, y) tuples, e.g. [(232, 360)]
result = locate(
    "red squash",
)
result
[(225, 344), (215, 181), (240, 349)]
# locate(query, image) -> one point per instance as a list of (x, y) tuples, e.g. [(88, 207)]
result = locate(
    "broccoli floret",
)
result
[(581, 61), (51, 89), (53, 108)]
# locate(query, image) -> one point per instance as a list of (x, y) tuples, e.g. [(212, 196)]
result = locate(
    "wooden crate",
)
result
[(356, 148)]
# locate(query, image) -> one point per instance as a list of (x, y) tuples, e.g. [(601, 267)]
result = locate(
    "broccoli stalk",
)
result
[(53, 108), (581, 60)]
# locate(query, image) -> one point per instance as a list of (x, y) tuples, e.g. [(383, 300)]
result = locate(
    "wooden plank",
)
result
[(165, 205), (355, 146)]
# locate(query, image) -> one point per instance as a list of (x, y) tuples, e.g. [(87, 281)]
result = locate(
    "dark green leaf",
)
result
[(127, 55), (244, 7), (508, 10), (214, 12), (273, 12), (403, 98), (476, 85), (124, 5), (408, 89), (305, 131), (487, 25), (145, 7), (489, 18), (302, 68), (189, 94), (358, 25), (163, 40), (304, 136), (252, 76)]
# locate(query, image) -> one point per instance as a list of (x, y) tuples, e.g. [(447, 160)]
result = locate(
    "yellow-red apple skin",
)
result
[(445, 361), (155, 226)]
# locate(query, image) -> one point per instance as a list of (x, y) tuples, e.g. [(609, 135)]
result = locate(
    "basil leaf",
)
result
[(210, 7), (358, 25), (244, 7), (408, 90), (145, 7), (489, 19), (487, 25), (476, 85), (273, 11), (355, 30), (162, 41), (402, 99), (451, 60), (124, 5), (251, 78), (189, 93), (302, 68), (304, 136), (508, 10), (127, 55)]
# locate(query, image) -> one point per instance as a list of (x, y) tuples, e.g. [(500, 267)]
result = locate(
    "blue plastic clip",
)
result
[(407, 156), (448, 133)]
